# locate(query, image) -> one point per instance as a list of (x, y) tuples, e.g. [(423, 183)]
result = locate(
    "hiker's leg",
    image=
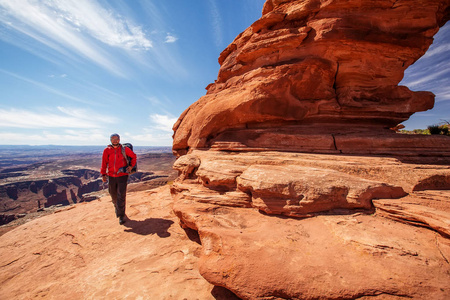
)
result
[(121, 195), (113, 187)]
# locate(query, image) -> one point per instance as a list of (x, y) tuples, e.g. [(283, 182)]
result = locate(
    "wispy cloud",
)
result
[(57, 76), (162, 122), (442, 93), (432, 71), (170, 38), (75, 27), (159, 132), (422, 78), (163, 105), (62, 117), (216, 22), (100, 23), (154, 101), (151, 137), (438, 50), (443, 44)]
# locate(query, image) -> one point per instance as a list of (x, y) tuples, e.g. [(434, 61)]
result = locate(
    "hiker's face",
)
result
[(115, 140)]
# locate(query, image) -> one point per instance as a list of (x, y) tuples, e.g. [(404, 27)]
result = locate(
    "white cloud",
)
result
[(71, 31), (163, 122), (170, 38), (70, 16), (102, 24), (61, 118), (74, 27), (152, 138)]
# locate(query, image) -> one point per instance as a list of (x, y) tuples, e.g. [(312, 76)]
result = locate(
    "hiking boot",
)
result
[(122, 220)]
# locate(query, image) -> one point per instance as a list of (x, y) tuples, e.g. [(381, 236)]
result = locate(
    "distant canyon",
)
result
[(41, 178)]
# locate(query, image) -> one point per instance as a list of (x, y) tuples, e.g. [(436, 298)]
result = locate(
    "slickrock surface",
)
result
[(319, 76), (83, 253), (375, 226)]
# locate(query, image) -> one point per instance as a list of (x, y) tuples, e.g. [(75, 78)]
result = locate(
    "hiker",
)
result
[(114, 159)]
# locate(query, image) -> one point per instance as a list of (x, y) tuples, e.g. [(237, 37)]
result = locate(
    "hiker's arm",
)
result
[(104, 163), (132, 155)]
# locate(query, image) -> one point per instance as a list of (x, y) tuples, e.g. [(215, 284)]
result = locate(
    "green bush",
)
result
[(421, 131), (434, 129)]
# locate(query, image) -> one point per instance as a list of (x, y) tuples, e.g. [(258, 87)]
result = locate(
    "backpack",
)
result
[(128, 159)]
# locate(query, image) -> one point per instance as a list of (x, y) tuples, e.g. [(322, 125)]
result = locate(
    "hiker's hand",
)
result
[(104, 179), (129, 169)]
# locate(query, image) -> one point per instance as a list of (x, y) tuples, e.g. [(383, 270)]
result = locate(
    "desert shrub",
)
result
[(421, 131), (434, 129), (444, 130), (415, 131)]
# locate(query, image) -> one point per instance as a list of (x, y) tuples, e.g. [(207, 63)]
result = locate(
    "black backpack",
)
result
[(128, 159)]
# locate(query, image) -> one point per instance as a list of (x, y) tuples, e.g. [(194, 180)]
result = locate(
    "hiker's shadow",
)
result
[(149, 226)]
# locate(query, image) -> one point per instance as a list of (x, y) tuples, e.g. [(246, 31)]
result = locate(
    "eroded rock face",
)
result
[(289, 171), (351, 229), (327, 257), (299, 184), (312, 64)]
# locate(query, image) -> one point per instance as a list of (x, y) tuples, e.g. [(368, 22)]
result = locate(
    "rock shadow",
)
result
[(221, 293), (193, 235), (330, 212), (149, 226)]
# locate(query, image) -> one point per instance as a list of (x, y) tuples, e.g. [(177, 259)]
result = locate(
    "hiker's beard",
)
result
[(115, 144)]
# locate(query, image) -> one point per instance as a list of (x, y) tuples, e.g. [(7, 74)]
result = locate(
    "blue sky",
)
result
[(74, 71)]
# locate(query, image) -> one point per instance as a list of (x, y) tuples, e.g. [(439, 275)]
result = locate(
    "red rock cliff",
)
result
[(286, 212)]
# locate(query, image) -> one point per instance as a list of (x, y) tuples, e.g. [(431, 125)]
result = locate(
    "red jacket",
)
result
[(114, 160)]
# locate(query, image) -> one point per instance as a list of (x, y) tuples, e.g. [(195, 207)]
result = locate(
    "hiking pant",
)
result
[(118, 191)]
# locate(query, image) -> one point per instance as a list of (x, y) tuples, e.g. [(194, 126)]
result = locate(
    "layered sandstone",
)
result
[(318, 76), (280, 225), (288, 168)]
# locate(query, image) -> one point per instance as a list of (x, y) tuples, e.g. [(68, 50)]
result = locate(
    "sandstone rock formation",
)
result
[(318, 76), (278, 176), (345, 237), (288, 168)]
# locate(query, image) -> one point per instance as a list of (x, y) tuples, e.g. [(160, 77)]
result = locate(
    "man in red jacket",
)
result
[(113, 159)]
